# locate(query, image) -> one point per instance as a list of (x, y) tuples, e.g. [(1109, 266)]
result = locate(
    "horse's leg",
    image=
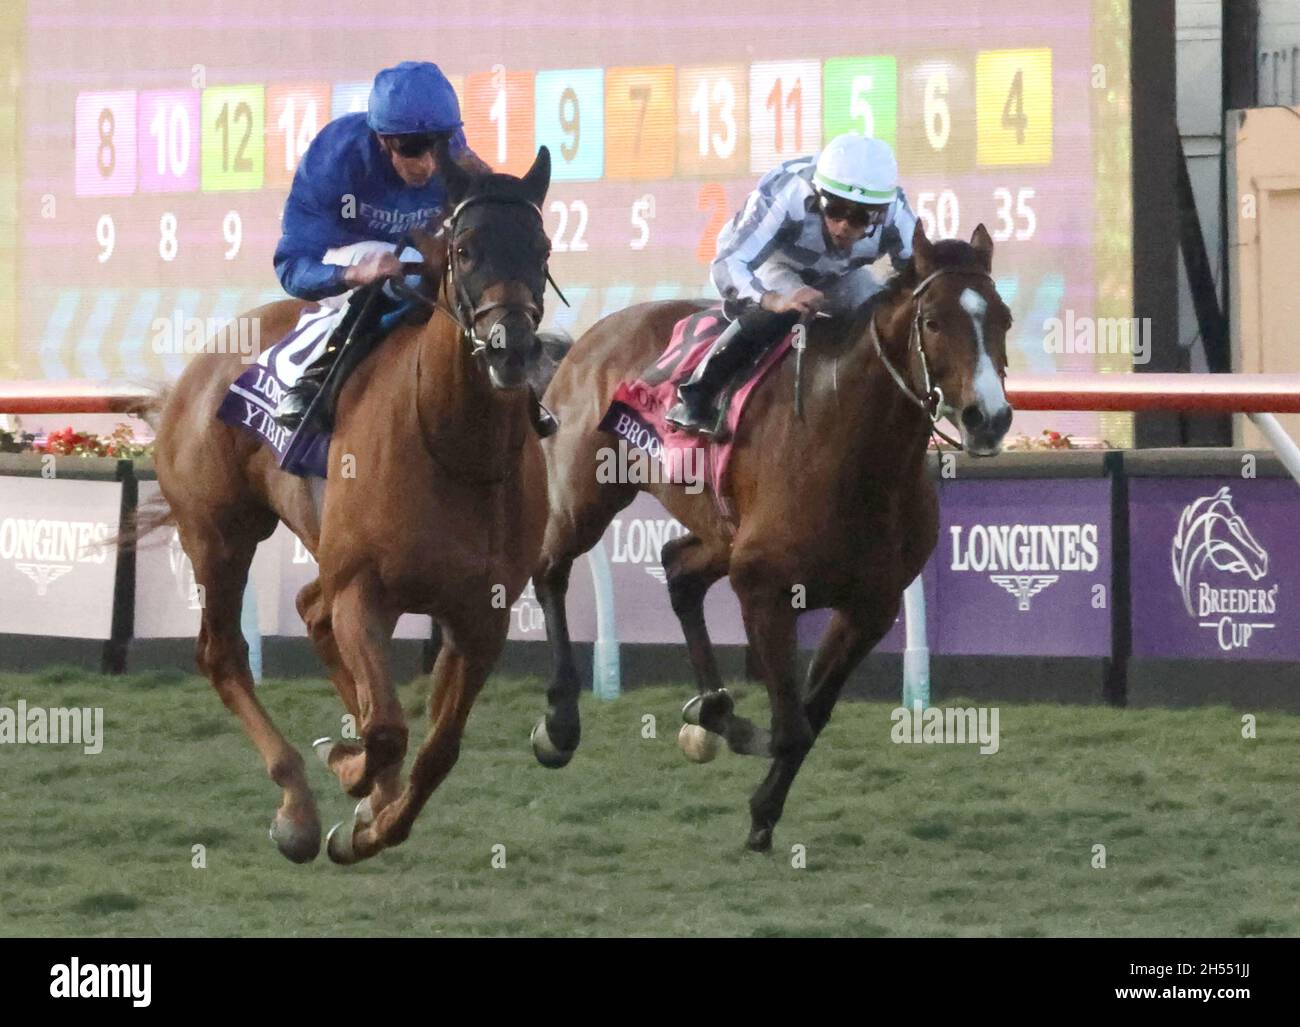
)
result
[(692, 567), (850, 635), (765, 593), (345, 759), (362, 627), (221, 563), (556, 735), (459, 674)]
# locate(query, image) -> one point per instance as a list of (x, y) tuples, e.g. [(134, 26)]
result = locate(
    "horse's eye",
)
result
[(462, 253), (931, 325)]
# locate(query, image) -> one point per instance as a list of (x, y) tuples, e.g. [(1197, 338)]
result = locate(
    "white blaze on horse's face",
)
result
[(985, 420)]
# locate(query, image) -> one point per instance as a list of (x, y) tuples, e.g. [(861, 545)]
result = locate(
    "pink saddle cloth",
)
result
[(637, 410)]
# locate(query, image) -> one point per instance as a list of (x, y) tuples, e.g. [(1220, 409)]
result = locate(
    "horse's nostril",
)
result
[(1002, 420), (972, 418)]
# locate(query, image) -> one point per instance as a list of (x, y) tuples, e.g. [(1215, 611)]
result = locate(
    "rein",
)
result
[(932, 403)]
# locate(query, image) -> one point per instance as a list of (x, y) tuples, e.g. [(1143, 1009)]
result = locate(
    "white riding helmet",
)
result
[(858, 169)]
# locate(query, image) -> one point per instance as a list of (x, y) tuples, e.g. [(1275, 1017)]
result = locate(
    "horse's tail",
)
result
[(142, 521), (149, 408), (157, 513)]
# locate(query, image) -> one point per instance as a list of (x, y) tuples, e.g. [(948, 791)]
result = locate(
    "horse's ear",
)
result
[(983, 243), (456, 178), (922, 250), (538, 179)]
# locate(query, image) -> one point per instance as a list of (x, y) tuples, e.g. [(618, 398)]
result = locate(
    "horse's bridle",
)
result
[(931, 401), (463, 311)]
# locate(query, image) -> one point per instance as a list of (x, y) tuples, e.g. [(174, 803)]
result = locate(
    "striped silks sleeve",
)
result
[(772, 212), (897, 241)]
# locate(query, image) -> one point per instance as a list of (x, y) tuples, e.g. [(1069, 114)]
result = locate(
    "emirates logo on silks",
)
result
[(1211, 542)]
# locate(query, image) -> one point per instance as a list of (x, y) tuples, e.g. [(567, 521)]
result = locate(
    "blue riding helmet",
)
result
[(413, 97)]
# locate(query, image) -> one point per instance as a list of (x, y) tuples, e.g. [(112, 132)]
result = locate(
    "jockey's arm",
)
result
[(749, 243), (309, 229), (897, 239)]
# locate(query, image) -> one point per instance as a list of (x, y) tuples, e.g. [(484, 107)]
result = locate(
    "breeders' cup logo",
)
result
[(1022, 548), (1212, 537), (526, 613)]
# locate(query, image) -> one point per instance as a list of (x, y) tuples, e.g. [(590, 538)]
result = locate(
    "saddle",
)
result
[(251, 400), (637, 411)]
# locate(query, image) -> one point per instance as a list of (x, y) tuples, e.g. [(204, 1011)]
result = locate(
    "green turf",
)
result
[(1200, 826)]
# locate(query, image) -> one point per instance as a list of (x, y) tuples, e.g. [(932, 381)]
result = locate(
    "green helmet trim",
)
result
[(851, 192)]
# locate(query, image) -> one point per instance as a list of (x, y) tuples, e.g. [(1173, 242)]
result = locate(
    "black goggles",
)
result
[(417, 145), (860, 215)]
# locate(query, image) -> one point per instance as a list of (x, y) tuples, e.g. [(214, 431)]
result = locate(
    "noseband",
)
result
[(463, 311), (931, 399)]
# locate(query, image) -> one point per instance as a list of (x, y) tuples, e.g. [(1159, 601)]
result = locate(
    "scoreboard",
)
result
[(159, 146)]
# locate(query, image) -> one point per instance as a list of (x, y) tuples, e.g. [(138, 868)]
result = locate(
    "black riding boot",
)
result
[(744, 340), (295, 403)]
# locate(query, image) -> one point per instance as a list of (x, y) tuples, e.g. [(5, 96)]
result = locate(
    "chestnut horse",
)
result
[(833, 509), (435, 504)]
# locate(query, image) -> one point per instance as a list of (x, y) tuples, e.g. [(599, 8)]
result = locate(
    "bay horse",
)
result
[(435, 504), (833, 509)]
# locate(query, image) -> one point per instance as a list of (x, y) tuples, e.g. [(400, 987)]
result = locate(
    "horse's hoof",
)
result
[(323, 746), (699, 745), (547, 753), (760, 840), (338, 844), (711, 707), (364, 814), (297, 842)]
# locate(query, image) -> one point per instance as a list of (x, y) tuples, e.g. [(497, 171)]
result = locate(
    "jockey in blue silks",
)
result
[(365, 181)]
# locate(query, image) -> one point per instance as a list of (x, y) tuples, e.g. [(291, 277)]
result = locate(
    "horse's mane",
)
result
[(946, 253)]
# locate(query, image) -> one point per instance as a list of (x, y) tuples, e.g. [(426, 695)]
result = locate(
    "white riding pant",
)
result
[(359, 251)]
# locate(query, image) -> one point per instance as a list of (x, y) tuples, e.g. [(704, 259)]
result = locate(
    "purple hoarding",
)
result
[(56, 573), (167, 599), (1215, 568), (297, 569), (1023, 567)]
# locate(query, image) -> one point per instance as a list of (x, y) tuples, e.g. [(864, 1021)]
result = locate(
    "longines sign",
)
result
[(56, 573), (1024, 567)]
